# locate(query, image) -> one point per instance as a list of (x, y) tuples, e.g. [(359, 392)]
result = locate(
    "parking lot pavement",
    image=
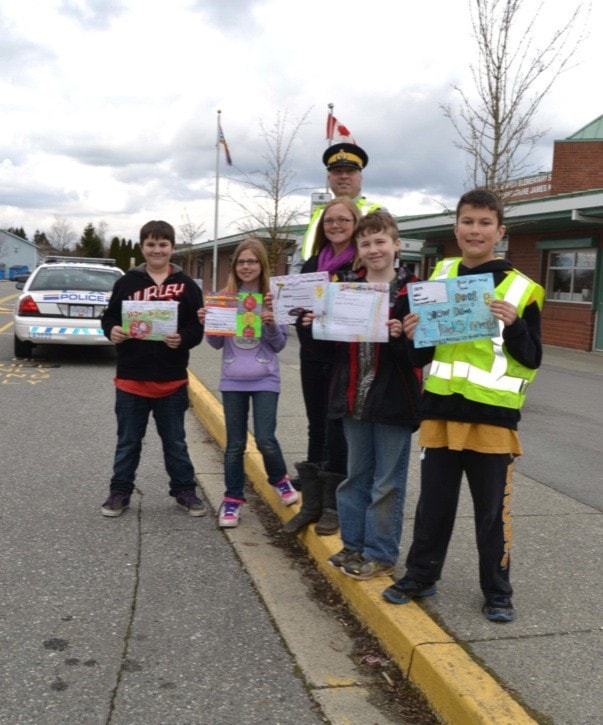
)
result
[(544, 666)]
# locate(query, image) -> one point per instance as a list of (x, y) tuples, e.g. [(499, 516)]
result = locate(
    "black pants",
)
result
[(489, 478), (326, 441)]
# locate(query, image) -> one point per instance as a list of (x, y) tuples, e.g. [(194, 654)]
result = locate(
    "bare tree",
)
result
[(271, 211), (511, 76), (102, 232), (61, 235)]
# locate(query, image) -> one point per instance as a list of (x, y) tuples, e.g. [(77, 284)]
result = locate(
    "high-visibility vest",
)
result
[(366, 207), (482, 370)]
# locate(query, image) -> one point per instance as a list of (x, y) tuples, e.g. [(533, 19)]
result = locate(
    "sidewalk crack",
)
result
[(125, 665)]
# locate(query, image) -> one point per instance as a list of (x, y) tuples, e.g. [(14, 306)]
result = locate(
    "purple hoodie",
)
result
[(251, 364)]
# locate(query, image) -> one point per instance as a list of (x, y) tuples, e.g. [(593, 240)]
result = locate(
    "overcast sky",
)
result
[(109, 107)]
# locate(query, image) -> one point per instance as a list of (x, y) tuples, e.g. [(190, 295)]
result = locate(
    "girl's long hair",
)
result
[(320, 239), (253, 245)]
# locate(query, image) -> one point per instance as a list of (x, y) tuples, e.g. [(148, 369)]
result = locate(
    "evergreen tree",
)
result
[(114, 250), (90, 244), (123, 257), (40, 239), (17, 231), (137, 251)]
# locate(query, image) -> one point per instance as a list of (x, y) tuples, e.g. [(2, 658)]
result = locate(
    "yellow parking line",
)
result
[(6, 327), (10, 297)]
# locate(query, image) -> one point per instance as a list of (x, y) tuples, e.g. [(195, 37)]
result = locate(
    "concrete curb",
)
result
[(456, 686)]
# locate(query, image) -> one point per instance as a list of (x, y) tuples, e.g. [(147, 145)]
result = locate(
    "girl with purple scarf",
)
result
[(326, 465)]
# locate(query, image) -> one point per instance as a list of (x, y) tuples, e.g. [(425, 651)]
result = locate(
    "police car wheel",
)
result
[(23, 348)]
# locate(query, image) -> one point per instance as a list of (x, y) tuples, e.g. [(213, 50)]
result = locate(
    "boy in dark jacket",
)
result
[(376, 390), (469, 415), (152, 374)]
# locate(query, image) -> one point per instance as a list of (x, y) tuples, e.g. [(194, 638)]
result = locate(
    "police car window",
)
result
[(75, 279)]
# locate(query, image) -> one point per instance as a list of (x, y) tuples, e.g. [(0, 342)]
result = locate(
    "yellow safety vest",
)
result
[(366, 207), (482, 370)]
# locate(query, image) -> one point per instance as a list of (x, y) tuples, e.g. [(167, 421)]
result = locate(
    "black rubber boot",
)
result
[(329, 521), (311, 489)]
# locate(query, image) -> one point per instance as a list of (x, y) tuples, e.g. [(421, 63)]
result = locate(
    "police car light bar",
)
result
[(86, 260)]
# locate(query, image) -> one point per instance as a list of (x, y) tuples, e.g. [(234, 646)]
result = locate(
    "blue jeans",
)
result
[(132, 413), (371, 499), (236, 412)]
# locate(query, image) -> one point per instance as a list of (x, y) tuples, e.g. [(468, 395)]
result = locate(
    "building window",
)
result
[(430, 264), (571, 275)]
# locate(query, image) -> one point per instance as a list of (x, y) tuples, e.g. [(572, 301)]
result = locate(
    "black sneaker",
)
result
[(190, 502), (341, 557), (499, 610), (359, 567), (406, 589), (116, 504)]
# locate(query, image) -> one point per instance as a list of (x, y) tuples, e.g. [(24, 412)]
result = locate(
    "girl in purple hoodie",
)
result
[(250, 372)]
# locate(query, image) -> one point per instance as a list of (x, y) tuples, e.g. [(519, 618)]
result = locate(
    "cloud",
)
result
[(93, 14), (229, 15), (111, 105)]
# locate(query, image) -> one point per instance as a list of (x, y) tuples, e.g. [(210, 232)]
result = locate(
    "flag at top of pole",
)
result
[(336, 131), (222, 140)]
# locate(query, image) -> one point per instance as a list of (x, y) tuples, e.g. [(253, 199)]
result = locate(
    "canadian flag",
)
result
[(336, 131)]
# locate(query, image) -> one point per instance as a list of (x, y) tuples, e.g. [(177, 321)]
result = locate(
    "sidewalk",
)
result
[(548, 659)]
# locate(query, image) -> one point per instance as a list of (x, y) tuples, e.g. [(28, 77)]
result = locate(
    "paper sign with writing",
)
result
[(456, 309), (149, 320), (294, 292), (231, 314), (221, 313), (352, 312)]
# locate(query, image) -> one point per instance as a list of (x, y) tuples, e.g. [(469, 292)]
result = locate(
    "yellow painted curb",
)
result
[(456, 686)]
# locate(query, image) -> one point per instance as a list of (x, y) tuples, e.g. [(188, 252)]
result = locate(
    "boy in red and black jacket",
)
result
[(152, 374)]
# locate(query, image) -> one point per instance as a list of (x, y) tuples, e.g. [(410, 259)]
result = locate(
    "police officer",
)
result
[(345, 163)]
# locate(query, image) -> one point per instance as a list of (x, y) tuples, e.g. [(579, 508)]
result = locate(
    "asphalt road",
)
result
[(561, 431)]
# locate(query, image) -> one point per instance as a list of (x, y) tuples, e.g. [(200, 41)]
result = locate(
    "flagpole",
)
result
[(330, 139), (217, 196)]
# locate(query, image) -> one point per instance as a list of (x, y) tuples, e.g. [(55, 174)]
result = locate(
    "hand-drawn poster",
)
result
[(233, 314), (455, 309), (221, 313), (149, 320), (352, 312), (295, 292)]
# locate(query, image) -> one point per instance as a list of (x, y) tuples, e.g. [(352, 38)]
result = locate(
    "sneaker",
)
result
[(286, 492), (190, 502), (229, 513), (116, 504), (406, 589), (341, 558), (499, 610), (359, 567)]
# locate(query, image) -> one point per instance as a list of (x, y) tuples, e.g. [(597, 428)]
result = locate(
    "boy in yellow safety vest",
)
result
[(469, 414)]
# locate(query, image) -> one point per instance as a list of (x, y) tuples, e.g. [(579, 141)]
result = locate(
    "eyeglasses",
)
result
[(250, 262), (337, 220)]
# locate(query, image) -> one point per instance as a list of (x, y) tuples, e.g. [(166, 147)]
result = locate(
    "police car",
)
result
[(62, 303)]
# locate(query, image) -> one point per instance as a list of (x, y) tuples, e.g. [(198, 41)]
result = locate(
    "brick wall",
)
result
[(566, 325), (577, 166)]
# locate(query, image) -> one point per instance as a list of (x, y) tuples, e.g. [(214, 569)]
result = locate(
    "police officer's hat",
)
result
[(345, 154)]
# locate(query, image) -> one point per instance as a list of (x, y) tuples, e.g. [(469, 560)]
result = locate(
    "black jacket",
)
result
[(522, 342), (394, 395), (153, 360)]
